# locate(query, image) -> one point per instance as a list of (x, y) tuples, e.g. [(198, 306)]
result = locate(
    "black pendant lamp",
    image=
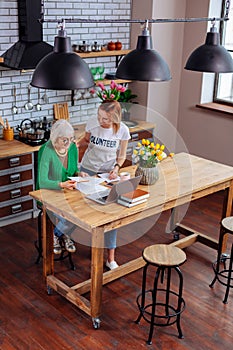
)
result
[(210, 57), (143, 63), (62, 69)]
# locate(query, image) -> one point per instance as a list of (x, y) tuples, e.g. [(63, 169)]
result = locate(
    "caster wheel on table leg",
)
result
[(176, 235), (96, 322), (49, 290)]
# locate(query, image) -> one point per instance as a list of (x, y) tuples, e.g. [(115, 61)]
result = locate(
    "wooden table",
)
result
[(183, 178)]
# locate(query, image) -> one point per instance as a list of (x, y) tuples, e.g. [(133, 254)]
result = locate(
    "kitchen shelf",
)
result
[(108, 81), (114, 53), (103, 53)]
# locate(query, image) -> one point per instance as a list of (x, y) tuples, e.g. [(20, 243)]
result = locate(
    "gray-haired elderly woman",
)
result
[(57, 161)]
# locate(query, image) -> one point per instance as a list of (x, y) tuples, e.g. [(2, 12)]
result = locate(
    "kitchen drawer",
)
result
[(19, 191), (139, 135), (13, 162), (16, 208), (16, 177)]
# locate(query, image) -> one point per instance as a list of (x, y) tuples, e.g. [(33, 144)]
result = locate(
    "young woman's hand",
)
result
[(113, 174), (69, 184)]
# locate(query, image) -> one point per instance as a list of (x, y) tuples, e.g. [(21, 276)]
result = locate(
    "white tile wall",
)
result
[(90, 32)]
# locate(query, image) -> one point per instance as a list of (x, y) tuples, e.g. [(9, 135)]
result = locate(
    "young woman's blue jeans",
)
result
[(110, 236)]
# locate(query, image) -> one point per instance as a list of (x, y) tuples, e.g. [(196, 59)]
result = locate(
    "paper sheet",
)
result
[(91, 186), (85, 179), (105, 177)]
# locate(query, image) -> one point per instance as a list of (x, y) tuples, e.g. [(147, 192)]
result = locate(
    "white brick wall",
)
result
[(90, 32)]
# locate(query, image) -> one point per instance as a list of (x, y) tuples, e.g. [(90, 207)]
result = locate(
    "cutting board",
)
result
[(61, 111)]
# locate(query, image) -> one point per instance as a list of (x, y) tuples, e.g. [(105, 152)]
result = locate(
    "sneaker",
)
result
[(69, 244), (112, 265), (56, 245)]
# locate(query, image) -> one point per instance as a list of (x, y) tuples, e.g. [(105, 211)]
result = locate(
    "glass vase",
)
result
[(149, 175)]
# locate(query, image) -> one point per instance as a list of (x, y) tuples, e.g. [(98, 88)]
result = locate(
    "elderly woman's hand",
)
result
[(83, 174), (69, 184)]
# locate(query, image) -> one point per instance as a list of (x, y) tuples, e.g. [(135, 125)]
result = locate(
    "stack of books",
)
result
[(131, 199)]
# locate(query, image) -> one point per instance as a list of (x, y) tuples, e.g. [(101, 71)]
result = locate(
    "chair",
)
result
[(162, 306), (224, 275), (38, 244)]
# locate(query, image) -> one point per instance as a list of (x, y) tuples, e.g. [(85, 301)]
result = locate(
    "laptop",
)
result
[(111, 195)]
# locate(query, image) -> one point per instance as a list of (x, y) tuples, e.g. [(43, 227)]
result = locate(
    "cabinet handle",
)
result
[(15, 178), (16, 208), (16, 193), (14, 161), (134, 136)]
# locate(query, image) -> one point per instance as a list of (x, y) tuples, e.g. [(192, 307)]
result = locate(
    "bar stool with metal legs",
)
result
[(162, 306), (224, 275), (38, 244)]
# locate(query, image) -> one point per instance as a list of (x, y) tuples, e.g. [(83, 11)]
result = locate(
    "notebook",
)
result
[(111, 195)]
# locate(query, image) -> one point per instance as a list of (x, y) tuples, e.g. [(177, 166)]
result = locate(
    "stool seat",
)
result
[(164, 255), (228, 223)]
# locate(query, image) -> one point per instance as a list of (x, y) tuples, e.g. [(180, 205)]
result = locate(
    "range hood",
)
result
[(30, 49)]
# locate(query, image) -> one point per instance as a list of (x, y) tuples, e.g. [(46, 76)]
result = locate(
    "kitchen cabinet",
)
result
[(137, 135), (17, 180)]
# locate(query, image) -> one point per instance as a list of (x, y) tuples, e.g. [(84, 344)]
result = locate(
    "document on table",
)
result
[(105, 177), (79, 178), (91, 185)]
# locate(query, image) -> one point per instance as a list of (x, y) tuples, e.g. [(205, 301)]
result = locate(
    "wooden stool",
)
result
[(38, 244), (163, 306), (224, 276)]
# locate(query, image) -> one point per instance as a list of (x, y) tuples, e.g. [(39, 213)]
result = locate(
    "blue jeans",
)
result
[(110, 237), (63, 227)]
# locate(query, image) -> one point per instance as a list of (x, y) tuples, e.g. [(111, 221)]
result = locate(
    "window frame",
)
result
[(222, 27)]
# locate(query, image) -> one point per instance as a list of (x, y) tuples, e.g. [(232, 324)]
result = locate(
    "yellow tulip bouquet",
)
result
[(147, 154)]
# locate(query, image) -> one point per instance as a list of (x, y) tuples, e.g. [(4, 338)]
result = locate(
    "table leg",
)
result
[(97, 252), (47, 236)]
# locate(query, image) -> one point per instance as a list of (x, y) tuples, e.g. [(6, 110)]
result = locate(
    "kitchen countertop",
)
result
[(14, 148)]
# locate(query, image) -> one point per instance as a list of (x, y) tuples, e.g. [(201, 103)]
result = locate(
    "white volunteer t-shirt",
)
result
[(101, 153)]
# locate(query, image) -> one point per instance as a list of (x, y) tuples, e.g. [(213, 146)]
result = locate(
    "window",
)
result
[(223, 91)]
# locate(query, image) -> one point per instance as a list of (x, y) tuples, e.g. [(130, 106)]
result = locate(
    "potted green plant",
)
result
[(116, 92)]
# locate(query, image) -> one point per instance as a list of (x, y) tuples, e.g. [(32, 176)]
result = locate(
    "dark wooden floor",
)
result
[(31, 319)]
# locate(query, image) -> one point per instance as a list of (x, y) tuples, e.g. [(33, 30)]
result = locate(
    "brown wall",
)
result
[(205, 133)]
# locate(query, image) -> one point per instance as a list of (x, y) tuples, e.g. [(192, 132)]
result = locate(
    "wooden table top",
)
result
[(181, 179)]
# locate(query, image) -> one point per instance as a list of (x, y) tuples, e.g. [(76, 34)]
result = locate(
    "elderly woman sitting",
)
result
[(57, 161)]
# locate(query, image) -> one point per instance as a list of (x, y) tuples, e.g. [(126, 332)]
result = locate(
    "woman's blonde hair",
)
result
[(61, 128), (113, 109)]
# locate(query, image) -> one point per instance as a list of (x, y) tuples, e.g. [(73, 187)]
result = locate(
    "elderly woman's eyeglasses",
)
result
[(67, 140)]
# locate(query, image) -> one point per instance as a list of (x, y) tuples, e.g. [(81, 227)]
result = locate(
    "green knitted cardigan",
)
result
[(50, 168)]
